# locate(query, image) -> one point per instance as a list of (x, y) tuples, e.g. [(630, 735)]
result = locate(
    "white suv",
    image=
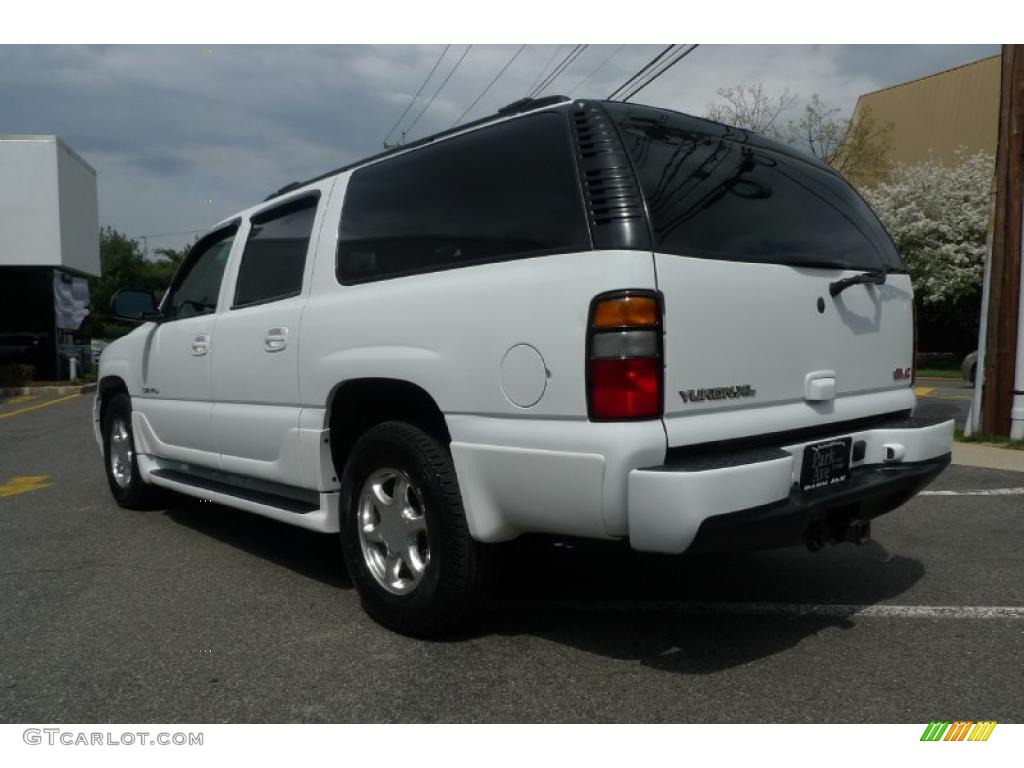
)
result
[(580, 318)]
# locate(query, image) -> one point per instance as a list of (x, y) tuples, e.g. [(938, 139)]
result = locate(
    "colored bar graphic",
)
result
[(982, 731), (960, 730)]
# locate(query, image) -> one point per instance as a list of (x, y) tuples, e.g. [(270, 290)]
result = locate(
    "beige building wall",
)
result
[(940, 112)]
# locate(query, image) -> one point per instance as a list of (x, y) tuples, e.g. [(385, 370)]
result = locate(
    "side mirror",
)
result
[(134, 305)]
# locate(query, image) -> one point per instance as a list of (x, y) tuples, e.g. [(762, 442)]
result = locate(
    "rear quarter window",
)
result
[(716, 197), (501, 192)]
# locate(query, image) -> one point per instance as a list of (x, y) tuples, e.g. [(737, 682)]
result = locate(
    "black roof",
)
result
[(523, 105), (616, 108)]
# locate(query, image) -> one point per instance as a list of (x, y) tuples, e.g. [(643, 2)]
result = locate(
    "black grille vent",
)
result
[(615, 208)]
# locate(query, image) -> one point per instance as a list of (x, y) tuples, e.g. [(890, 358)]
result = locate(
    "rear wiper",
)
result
[(876, 276)]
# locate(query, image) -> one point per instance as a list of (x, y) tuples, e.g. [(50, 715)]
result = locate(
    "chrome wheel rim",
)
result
[(120, 453), (393, 530)]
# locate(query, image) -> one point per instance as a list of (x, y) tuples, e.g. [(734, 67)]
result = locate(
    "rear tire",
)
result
[(120, 461), (404, 534)]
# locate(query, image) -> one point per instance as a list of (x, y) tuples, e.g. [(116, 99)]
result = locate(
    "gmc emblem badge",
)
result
[(899, 374)]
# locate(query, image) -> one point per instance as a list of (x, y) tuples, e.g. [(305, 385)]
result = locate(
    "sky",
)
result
[(183, 136)]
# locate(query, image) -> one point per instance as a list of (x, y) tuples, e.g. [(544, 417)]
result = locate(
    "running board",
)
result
[(265, 498), (315, 511)]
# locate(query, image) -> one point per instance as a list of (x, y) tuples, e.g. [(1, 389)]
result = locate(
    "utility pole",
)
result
[(1004, 311)]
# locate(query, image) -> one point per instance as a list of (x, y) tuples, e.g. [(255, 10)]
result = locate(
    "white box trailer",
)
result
[(48, 211), (49, 246)]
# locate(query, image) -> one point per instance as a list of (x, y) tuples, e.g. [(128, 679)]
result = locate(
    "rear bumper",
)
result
[(750, 500)]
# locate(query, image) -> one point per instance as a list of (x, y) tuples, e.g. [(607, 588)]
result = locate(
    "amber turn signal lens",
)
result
[(626, 312)]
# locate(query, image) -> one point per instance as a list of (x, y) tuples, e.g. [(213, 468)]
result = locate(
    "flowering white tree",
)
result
[(937, 216)]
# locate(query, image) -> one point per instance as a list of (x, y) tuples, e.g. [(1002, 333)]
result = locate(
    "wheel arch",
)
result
[(355, 405), (106, 388)]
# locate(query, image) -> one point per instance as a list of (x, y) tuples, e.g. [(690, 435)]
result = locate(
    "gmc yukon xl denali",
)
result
[(581, 318)]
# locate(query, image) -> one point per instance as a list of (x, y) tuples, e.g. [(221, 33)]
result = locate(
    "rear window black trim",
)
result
[(617, 114), (566, 117)]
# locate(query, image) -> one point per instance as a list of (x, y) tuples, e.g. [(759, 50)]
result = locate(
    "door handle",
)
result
[(276, 339), (820, 386), (200, 345)]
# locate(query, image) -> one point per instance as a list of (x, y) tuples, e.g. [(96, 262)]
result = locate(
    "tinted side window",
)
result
[(712, 196), (274, 258), (501, 192), (195, 291)]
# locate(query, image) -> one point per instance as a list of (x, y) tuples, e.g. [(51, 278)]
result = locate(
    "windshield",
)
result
[(714, 194)]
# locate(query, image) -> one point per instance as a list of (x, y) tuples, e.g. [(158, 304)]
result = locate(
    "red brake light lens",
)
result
[(625, 389)]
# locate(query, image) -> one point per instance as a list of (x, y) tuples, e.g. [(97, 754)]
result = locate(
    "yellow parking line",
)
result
[(17, 485), (19, 399), (40, 405), (923, 391)]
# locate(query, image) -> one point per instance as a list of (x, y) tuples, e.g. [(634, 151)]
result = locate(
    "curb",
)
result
[(988, 456), (70, 389)]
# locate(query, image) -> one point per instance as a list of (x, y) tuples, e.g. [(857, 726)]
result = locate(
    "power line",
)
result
[(665, 68), (418, 92), (544, 69), (490, 84), (562, 66), (563, 69), (595, 70), (639, 74), (438, 91)]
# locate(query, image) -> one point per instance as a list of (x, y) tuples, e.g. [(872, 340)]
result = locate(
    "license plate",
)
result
[(826, 464)]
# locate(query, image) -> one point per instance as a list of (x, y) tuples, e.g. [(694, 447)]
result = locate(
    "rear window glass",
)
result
[(496, 193), (716, 197)]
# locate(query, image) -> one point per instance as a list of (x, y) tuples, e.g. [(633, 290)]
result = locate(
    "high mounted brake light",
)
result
[(624, 364)]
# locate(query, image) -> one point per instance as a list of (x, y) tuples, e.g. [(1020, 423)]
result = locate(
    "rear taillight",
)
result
[(624, 365)]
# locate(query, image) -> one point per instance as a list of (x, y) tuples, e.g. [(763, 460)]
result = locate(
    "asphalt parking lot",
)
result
[(944, 397), (203, 614)]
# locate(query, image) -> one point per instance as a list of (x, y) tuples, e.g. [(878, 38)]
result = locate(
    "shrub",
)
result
[(16, 375)]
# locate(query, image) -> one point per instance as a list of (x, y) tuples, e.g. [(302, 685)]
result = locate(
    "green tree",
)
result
[(123, 265)]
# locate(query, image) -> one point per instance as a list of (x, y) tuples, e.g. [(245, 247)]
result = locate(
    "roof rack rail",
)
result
[(523, 105), (527, 103)]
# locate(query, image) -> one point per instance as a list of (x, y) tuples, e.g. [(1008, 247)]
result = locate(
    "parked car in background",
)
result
[(969, 368), (20, 347), (98, 345), (578, 318)]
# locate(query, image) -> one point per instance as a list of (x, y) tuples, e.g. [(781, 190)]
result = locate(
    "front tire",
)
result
[(404, 534), (120, 462)]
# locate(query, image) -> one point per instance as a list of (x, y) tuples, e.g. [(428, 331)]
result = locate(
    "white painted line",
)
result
[(983, 492), (1015, 612)]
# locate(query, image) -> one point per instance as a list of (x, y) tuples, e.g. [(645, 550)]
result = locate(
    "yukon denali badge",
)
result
[(899, 374), (717, 393)]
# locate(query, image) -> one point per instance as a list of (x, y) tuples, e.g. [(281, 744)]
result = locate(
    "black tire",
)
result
[(456, 578), (974, 373), (135, 494)]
